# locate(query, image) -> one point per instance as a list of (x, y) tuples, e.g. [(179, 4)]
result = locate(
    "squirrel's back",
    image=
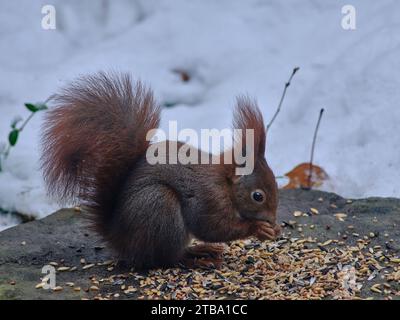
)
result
[(92, 138)]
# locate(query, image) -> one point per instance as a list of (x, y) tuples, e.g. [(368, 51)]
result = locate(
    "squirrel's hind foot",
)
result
[(212, 250), (205, 256), (200, 263)]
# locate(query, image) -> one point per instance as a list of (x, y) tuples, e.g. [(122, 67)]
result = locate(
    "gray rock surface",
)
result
[(64, 238)]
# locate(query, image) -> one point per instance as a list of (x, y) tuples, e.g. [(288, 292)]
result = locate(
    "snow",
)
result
[(229, 47)]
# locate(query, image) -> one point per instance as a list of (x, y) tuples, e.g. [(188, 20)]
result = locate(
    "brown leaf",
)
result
[(299, 176), (184, 75)]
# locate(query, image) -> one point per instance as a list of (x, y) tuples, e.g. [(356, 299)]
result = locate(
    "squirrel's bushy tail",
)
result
[(92, 138)]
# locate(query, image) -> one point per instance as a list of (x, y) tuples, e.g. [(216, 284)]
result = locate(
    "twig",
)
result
[(4, 154), (313, 146), (287, 84), (26, 121), (7, 151)]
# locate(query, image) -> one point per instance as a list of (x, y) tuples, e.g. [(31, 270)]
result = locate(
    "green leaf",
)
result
[(170, 104), (13, 137), (31, 107), (35, 107), (41, 106)]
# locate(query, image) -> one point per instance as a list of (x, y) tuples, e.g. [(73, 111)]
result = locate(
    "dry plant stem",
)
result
[(26, 122), (313, 146), (287, 84), (7, 151), (5, 154)]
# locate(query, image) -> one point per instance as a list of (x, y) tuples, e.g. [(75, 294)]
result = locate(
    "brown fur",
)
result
[(90, 142), (94, 150)]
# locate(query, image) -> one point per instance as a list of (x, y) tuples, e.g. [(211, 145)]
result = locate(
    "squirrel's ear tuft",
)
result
[(247, 115)]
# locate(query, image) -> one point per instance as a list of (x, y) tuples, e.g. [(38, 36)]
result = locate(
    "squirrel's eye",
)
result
[(258, 196)]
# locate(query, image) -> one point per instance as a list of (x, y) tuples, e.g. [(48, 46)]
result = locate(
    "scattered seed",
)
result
[(106, 263), (295, 268), (375, 288), (340, 216), (297, 213), (88, 266), (130, 289), (328, 242), (63, 269)]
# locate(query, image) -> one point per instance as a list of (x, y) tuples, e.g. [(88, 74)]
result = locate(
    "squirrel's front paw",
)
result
[(265, 231), (278, 231)]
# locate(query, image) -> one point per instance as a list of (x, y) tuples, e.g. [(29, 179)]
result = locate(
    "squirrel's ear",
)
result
[(247, 115)]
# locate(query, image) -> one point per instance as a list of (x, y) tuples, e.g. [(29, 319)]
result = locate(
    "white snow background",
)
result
[(229, 47)]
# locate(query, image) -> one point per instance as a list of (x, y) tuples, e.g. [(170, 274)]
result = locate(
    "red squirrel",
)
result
[(94, 152)]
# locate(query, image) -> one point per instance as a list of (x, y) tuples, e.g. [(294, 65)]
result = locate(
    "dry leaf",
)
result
[(184, 75), (299, 176)]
